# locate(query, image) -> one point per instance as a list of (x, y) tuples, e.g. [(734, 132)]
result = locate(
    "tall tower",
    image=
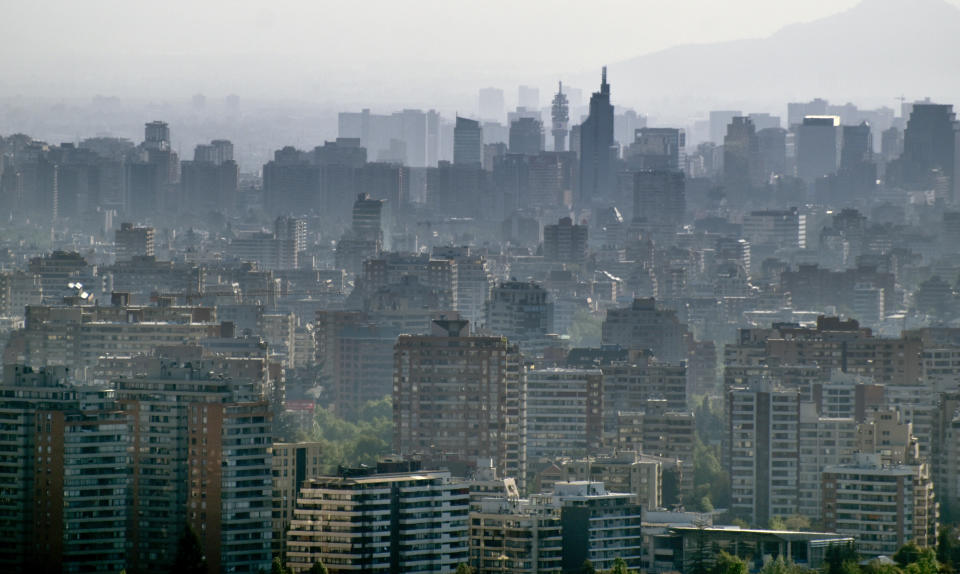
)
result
[(561, 115), (597, 151)]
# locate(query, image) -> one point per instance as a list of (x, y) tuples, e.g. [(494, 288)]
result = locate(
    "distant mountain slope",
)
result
[(877, 49)]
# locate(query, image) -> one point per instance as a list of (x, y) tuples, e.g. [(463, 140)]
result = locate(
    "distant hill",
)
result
[(877, 50)]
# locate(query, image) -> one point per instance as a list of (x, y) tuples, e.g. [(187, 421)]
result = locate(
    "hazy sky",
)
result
[(324, 50)]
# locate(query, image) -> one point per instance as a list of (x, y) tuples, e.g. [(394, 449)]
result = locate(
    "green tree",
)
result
[(620, 567), (587, 568), (189, 558), (709, 478), (670, 487), (926, 563), (907, 554), (464, 568), (781, 566), (728, 564), (777, 523), (841, 559), (706, 505), (877, 567), (362, 440), (948, 549), (796, 522), (700, 560), (586, 329), (277, 567)]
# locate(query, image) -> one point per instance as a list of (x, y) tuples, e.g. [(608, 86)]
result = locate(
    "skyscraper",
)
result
[(597, 151), (656, 148), (719, 120), (209, 182), (741, 158), (659, 198), (467, 142), (818, 147), (526, 136), (560, 114), (773, 151), (491, 104), (929, 147), (528, 97)]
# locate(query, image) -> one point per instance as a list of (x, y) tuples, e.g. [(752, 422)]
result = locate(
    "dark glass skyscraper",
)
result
[(597, 151), (930, 146), (467, 142)]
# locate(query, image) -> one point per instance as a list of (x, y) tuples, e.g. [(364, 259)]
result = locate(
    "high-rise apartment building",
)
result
[(293, 463), (564, 413), (290, 234), (210, 181), (643, 326), (522, 312), (474, 281), (202, 456), (291, 183), (526, 136), (130, 242), (597, 525), (823, 441), (565, 242), (657, 148), (623, 471), (517, 536), (882, 506), (460, 396), (365, 239), (780, 229), (659, 199), (65, 452), (107, 476), (381, 521), (763, 455)]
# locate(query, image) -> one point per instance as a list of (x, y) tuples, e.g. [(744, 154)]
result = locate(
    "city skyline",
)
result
[(428, 299), (263, 53)]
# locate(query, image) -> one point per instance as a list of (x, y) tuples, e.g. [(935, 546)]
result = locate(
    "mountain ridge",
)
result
[(877, 49)]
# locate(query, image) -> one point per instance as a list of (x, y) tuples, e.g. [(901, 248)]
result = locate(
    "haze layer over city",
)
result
[(475, 287)]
